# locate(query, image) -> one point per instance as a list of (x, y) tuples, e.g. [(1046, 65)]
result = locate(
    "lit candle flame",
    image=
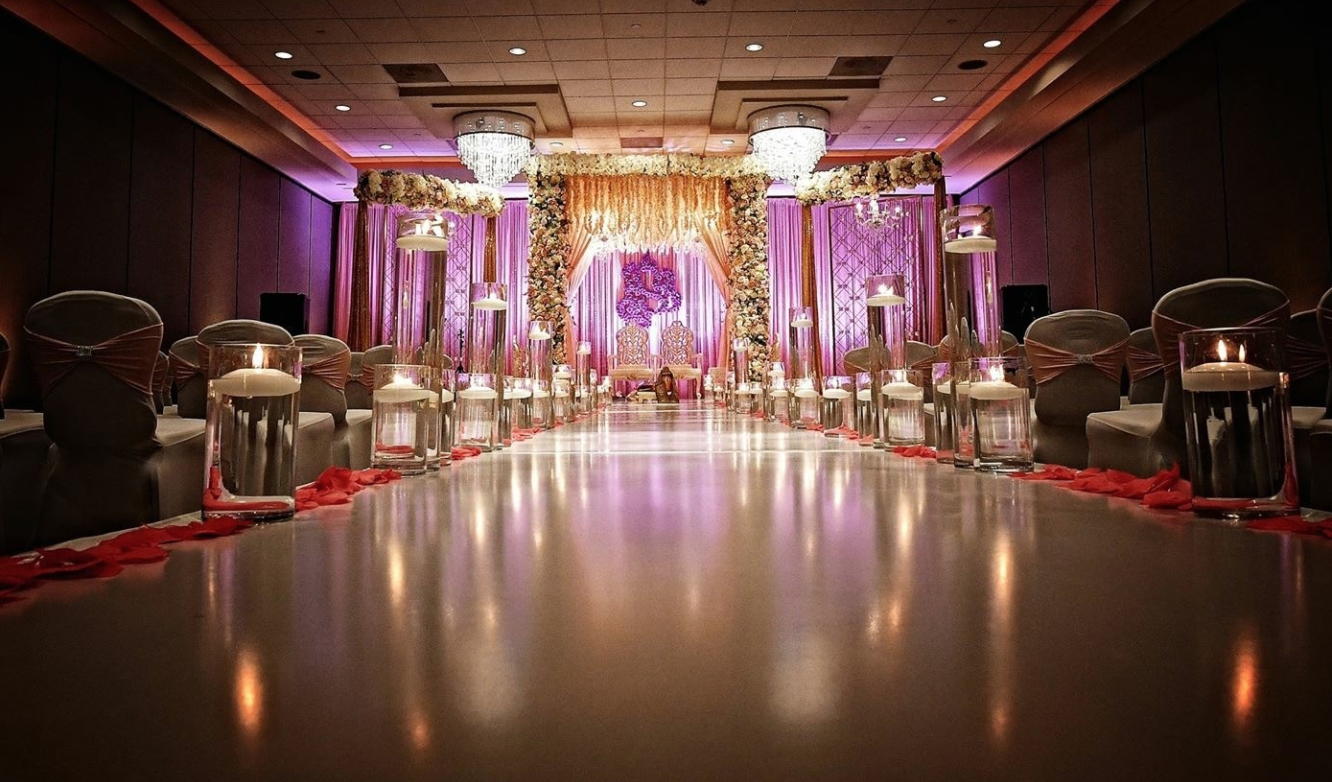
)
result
[(1221, 351), (997, 374), (1241, 354), (398, 379), (257, 359)]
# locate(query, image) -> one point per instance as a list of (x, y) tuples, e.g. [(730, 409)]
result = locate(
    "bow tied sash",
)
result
[(1304, 358), (1168, 332), (161, 377), (1143, 363), (183, 370), (1048, 363), (331, 369), (129, 357), (367, 378)]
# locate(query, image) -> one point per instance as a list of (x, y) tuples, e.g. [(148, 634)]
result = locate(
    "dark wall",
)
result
[(107, 189), (1213, 163)]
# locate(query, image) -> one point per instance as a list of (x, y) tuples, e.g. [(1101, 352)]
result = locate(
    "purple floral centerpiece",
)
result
[(648, 290)]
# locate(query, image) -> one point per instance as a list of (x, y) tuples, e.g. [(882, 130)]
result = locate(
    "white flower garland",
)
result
[(864, 180), (682, 164), (417, 191)]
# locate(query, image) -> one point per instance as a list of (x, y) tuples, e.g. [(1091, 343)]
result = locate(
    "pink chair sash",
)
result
[(367, 378), (182, 369), (1143, 363), (927, 363), (1168, 331), (1048, 363), (331, 369), (130, 357), (161, 377), (1304, 358)]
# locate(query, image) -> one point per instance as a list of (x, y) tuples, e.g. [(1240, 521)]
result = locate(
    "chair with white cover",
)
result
[(189, 377), (1318, 492), (325, 362), (1142, 439), (357, 394), (679, 354), (631, 359), (361, 387), (114, 462), (1146, 372), (161, 377), (1077, 358)]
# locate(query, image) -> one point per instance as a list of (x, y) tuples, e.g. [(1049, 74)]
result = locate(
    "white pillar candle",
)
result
[(971, 245), (540, 393), (803, 323), (478, 393), (995, 390), (888, 299), (779, 393), (584, 348), (400, 391), (902, 390), (1228, 376), (836, 393), (563, 374), (518, 393), (538, 334), (864, 395), (490, 302), (256, 382)]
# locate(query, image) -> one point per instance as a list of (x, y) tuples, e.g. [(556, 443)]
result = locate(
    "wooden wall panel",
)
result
[(257, 260), (1026, 193), (994, 192), (1187, 199), (161, 205), (214, 247), (90, 230), (294, 239), (321, 265), (1119, 207), (25, 210), (1068, 219), (1277, 230)]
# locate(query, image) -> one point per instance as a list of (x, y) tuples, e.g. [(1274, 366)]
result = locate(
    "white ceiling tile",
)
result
[(913, 126), (932, 44), (296, 9), (349, 9), (500, 7), (634, 6), (854, 141), (636, 48), (880, 114), (416, 9), (566, 6), (438, 30), (622, 25), (765, 5), (951, 20), (759, 68), (571, 26), (324, 92), (678, 86), (230, 9), (471, 72), (915, 66), (361, 74), (637, 69), (709, 68), (804, 67), (383, 108), (934, 113), (771, 23), (952, 83), (858, 22), (499, 50), (638, 88), (344, 54), (259, 32), (597, 121), (321, 31), (585, 87), (676, 118), (687, 103), (894, 99), (384, 30), (590, 105), (529, 72), (458, 51), (358, 121), (374, 91), (494, 28), (582, 69), (577, 49), (695, 48), (596, 131), (639, 117), (690, 25)]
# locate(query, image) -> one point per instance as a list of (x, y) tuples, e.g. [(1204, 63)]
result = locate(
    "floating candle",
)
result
[(884, 300), (490, 302), (584, 348), (518, 393), (995, 390), (401, 390), (256, 381), (563, 374), (538, 334), (802, 323), (478, 393), (836, 393), (971, 245), (902, 390), (1226, 375)]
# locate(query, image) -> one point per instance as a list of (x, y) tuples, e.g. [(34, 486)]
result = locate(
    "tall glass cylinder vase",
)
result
[(520, 403), (1238, 423), (583, 378), (740, 364), (805, 388), (562, 394), (903, 415), (776, 394), (484, 391), (401, 412), (971, 305), (1000, 400), (867, 417), (838, 416), (945, 412), (417, 334), (540, 368), (250, 434), (445, 389), (885, 308)]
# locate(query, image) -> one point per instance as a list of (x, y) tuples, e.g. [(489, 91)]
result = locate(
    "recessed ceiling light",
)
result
[(283, 55), (342, 107), (900, 139), (638, 104), (754, 47), (386, 146), (557, 143), (993, 44), (517, 51), (939, 98), (726, 142), (635, 26)]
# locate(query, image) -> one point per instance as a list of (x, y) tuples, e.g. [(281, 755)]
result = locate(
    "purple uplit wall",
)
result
[(107, 189), (1216, 162)]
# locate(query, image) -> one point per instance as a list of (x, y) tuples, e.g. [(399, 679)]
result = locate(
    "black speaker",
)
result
[(1023, 304), (291, 311)]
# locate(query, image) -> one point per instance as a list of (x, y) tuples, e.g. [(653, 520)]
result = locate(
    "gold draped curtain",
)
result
[(646, 211)]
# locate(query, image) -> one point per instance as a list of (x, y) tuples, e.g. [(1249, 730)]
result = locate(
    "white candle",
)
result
[(971, 245), (779, 393), (445, 396), (1228, 376), (584, 349), (518, 393), (995, 390), (884, 300), (490, 302), (805, 393), (902, 390), (426, 235), (836, 393), (400, 391), (563, 374), (538, 334), (540, 393), (803, 323), (256, 381), (947, 388), (864, 395), (478, 393)]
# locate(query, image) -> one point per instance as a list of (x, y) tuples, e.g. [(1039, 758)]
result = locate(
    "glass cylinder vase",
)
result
[(484, 391), (439, 448), (839, 415), (540, 369), (1000, 405), (804, 382), (903, 413), (885, 309), (562, 394), (401, 411), (583, 378), (250, 433), (971, 293), (741, 400), (945, 412), (1238, 423), (776, 395)]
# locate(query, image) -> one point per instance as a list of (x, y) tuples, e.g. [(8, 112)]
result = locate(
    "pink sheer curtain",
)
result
[(511, 242), (783, 266), (702, 307)]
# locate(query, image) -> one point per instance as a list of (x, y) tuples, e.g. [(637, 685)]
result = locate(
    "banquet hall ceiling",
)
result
[(587, 61)]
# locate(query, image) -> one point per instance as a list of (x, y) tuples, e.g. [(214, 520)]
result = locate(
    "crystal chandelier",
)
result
[(493, 144), (789, 140), (878, 211)]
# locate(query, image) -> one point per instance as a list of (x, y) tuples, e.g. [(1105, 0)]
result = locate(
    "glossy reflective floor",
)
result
[(676, 595)]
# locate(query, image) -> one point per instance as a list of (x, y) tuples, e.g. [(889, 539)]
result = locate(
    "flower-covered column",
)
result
[(747, 234), (548, 258)]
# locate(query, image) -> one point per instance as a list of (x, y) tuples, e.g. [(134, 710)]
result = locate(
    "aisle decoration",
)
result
[(650, 201)]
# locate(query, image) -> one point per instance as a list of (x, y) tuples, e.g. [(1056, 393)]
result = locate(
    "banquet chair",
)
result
[(324, 365), (188, 378), (361, 386), (1307, 363), (1145, 438), (161, 375), (114, 463), (1077, 358), (631, 359), (1146, 378), (678, 353)]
